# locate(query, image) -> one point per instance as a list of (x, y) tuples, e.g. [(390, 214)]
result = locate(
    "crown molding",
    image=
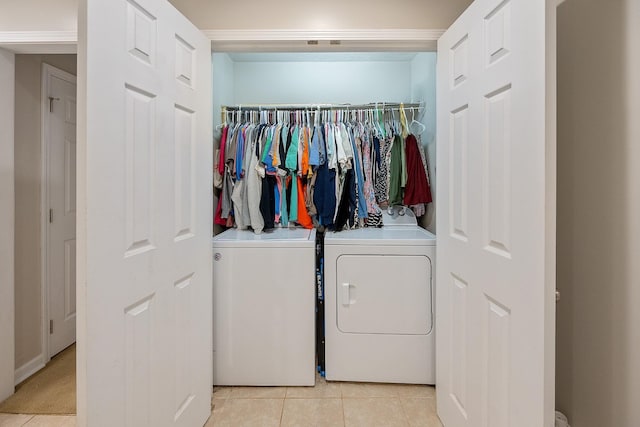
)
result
[(39, 41), (38, 37)]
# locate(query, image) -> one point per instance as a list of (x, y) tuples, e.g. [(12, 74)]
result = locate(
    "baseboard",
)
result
[(29, 368)]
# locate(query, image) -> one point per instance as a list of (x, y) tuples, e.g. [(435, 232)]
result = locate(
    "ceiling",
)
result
[(324, 15), (61, 15)]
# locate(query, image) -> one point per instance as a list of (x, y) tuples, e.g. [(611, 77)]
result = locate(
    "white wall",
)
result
[(598, 317), (223, 84), (352, 82), (423, 89), (7, 364), (27, 201), (38, 15)]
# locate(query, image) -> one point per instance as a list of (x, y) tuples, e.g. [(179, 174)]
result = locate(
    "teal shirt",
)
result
[(292, 153)]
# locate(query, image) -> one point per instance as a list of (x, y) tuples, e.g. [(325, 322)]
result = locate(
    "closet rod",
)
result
[(379, 105)]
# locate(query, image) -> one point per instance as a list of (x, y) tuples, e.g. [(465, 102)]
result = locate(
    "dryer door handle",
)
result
[(346, 294)]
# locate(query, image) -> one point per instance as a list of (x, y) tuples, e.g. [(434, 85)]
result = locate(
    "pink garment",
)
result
[(223, 143)]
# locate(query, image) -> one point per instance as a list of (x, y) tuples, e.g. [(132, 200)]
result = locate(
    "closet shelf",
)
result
[(319, 106)]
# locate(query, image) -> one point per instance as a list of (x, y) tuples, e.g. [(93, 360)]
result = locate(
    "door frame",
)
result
[(7, 225), (47, 71)]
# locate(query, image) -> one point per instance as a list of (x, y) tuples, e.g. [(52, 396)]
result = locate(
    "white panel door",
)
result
[(61, 239), (496, 230), (144, 216)]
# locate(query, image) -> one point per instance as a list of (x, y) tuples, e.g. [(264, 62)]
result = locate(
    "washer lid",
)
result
[(278, 237), (384, 236)]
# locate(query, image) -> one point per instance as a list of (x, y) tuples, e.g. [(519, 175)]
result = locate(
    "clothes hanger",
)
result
[(403, 121), (415, 122), (223, 120), (393, 122)]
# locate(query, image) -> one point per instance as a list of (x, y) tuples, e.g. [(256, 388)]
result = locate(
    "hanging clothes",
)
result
[(324, 196), (383, 178), (268, 201), (314, 149), (254, 182), (218, 173), (311, 207), (303, 217), (237, 197), (347, 206), (336, 172), (291, 161), (304, 159), (374, 214), (395, 185), (357, 160), (230, 150), (417, 190)]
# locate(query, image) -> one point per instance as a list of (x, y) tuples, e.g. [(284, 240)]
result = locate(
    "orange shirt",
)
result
[(303, 217), (305, 152)]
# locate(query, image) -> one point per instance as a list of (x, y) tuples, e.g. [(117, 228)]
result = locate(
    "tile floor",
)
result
[(11, 420), (327, 404)]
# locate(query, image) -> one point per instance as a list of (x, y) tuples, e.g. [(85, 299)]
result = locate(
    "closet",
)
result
[(390, 90), (333, 141)]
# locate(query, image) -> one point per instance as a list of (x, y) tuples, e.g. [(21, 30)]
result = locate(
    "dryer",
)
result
[(264, 308), (379, 302)]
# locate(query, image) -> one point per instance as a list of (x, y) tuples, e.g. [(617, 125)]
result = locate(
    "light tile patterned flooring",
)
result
[(327, 404), (11, 420)]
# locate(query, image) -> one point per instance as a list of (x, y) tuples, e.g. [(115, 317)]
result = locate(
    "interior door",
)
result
[(496, 216), (144, 216), (61, 239)]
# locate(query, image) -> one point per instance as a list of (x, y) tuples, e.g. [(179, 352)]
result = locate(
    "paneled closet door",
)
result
[(144, 216), (496, 216)]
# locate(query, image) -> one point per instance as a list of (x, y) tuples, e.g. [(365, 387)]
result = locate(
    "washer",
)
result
[(264, 308), (379, 297)]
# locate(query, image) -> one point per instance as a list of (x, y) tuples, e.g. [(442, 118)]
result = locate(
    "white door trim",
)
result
[(326, 40), (551, 181), (39, 41), (7, 225), (243, 40), (378, 35), (47, 71)]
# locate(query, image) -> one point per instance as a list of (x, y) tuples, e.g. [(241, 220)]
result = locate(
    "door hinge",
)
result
[(51, 326), (50, 215)]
